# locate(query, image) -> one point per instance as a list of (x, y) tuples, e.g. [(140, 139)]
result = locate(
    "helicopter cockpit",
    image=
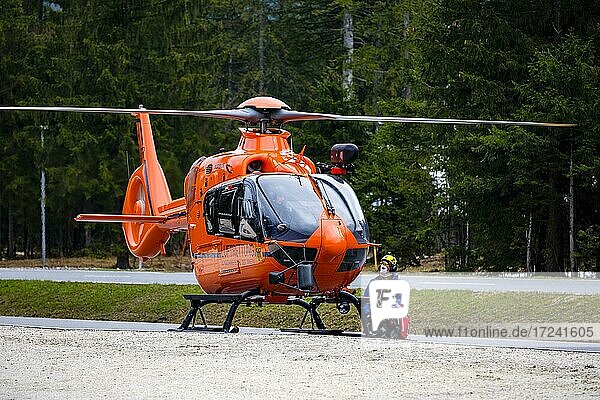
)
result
[(282, 207)]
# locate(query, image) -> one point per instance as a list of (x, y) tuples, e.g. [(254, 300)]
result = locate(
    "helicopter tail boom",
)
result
[(148, 197), (149, 214)]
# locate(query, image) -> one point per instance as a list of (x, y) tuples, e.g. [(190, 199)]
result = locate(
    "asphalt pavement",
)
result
[(55, 323), (445, 281)]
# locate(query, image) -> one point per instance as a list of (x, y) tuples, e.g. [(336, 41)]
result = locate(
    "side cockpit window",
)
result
[(231, 210), (226, 210)]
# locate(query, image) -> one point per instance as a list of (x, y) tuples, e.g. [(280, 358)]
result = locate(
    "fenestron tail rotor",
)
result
[(268, 111)]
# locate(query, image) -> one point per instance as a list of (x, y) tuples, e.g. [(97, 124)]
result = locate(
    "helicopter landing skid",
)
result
[(197, 301), (326, 332)]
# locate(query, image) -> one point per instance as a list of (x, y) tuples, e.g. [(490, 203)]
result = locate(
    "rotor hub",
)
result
[(264, 103)]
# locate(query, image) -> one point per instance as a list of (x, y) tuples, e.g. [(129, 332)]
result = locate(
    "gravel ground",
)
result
[(59, 364)]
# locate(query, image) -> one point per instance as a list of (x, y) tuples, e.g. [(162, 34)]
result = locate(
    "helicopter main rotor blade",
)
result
[(245, 115), (253, 116), (283, 116)]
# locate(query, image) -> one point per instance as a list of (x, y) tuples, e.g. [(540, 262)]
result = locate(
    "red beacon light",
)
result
[(342, 157)]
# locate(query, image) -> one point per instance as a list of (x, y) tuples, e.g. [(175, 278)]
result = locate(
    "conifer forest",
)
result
[(491, 198)]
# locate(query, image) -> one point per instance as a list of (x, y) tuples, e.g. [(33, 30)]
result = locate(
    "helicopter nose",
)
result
[(333, 242)]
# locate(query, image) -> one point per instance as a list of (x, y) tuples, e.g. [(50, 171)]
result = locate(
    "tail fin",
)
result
[(154, 177), (147, 192)]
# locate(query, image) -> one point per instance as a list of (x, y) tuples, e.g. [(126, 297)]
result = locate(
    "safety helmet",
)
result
[(390, 262)]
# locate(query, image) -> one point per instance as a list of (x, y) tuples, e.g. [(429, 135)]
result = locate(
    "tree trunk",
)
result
[(123, 260), (230, 80), (26, 240), (348, 37), (88, 236), (528, 238), (61, 241), (407, 90), (467, 245), (554, 253), (11, 234), (557, 25), (571, 213), (1, 252), (261, 49)]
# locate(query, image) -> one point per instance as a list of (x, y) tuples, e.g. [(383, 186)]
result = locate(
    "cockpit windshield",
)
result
[(290, 206), (283, 207), (345, 204)]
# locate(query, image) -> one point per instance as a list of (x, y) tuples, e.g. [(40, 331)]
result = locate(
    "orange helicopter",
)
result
[(263, 225)]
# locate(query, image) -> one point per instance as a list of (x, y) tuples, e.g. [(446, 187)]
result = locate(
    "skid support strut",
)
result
[(311, 307), (197, 301)]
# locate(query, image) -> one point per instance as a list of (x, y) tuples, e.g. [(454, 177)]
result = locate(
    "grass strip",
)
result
[(164, 303)]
